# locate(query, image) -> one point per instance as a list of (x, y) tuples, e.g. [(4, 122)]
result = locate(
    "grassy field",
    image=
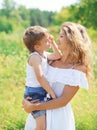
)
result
[(13, 57)]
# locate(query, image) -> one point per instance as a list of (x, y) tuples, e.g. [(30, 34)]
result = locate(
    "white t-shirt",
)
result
[(31, 80)]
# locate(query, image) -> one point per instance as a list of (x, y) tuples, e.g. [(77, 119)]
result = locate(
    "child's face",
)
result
[(45, 43)]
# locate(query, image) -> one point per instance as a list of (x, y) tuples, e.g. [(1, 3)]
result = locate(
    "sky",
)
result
[(49, 5)]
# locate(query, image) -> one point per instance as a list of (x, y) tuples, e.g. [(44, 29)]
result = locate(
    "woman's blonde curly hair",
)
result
[(80, 45)]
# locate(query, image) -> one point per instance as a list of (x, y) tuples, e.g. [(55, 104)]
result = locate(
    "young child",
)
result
[(38, 41)]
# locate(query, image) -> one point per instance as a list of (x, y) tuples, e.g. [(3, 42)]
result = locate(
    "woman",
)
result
[(66, 76)]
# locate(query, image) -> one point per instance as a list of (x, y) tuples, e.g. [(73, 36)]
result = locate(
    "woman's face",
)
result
[(62, 45)]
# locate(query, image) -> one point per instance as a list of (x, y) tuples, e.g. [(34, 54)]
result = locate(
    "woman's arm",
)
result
[(68, 94)]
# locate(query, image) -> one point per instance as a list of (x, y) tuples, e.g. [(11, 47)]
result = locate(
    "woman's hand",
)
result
[(29, 106)]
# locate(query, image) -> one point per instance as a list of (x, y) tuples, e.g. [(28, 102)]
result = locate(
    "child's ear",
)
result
[(36, 47)]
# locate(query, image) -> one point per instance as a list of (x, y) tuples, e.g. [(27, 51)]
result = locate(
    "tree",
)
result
[(6, 25), (87, 12), (38, 17), (7, 7)]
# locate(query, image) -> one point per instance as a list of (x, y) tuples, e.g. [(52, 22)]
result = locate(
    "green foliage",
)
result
[(8, 7), (6, 25), (84, 108), (11, 44), (12, 70), (93, 35), (12, 117), (66, 14), (43, 18), (10, 14), (61, 16), (13, 17), (86, 13), (20, 11)]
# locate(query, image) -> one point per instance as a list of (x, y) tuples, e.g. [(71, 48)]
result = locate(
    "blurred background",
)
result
[(15, 17)]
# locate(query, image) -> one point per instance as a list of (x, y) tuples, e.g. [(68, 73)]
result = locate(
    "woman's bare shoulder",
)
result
[(81, 68)]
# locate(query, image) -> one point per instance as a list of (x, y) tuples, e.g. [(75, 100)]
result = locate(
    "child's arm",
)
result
[(56, 52), (35, 61)]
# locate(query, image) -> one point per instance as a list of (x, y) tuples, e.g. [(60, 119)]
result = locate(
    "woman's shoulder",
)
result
[(75, 76), (80, 68)]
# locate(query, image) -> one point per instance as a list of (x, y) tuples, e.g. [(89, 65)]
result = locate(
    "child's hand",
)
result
[(51, 39), (53, 95)]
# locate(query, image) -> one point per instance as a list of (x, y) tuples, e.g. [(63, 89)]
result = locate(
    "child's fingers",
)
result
[(51, 37)]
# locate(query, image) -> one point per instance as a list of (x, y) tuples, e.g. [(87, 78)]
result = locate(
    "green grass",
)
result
[(85, 109), (12, 116)]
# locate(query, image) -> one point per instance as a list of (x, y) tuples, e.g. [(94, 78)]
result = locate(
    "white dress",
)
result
[(61, 118)]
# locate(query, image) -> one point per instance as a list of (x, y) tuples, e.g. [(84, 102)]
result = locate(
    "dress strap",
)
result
[(73, 67)]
